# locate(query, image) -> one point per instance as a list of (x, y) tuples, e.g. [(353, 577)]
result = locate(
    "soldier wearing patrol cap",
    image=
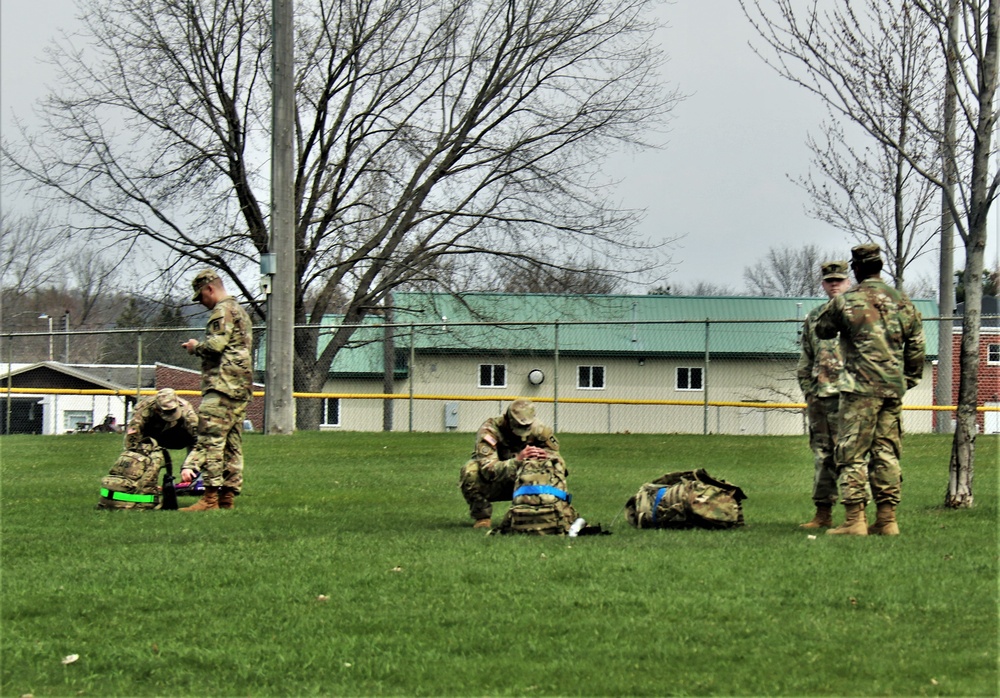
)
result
[(166, 417), (820, 373), (502, 444), (882, 345), (226, 389)]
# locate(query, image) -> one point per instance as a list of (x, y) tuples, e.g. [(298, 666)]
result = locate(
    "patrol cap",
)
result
[(203, 279), (834, 270), (866, 253), (520, 416), (167, 402)]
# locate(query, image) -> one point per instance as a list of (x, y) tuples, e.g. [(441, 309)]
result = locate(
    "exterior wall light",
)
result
[(535, 376)]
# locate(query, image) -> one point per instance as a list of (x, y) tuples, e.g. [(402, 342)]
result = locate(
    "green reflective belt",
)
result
[(125, 497)]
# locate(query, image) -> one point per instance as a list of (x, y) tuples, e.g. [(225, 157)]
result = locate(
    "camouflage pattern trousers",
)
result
[(483, 485), (218, 455), (823, 414), (868, 448)]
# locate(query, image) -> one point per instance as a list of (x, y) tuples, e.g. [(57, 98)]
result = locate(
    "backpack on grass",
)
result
[(133, 482), (686, 499), (541, 505)]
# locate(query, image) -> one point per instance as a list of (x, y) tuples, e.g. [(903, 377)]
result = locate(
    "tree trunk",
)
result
[(310, 377), (963, 455), (961, 467)]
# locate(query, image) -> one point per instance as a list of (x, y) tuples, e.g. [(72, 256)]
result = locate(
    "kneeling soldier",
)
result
[(502, 444)]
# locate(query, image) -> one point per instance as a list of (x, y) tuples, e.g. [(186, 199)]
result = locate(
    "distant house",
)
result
[(49, 412), (593, 363)]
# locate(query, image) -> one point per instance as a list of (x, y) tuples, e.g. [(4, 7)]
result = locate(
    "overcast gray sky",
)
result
[(721, 185)]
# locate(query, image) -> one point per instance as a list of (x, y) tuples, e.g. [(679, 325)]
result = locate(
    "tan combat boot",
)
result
[(854, 524), (227, 498), (208, 501), (822, 519), (885, 521), (482, 523)]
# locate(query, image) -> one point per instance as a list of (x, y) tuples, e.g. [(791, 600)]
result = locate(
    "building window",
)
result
[(689, 378), (73, 418), (331, 412), (492, 376), (590, 377), (993, 353)]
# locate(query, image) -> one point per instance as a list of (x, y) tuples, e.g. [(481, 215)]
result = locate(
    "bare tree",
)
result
[(94, 277), (427, 131), (31, 257), (873, 195), (826, 52), (871, 191), (788, 272), (529, 275)]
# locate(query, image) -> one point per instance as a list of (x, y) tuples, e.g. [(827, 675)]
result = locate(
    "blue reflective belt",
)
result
[(543, 489), (656, 503)]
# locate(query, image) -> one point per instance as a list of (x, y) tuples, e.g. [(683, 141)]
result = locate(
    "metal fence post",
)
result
[(555, 380), (410, 376), (138, 372), (10, 368), (704, 379)]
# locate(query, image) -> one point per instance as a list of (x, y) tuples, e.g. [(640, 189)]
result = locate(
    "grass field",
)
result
[(350, 568)]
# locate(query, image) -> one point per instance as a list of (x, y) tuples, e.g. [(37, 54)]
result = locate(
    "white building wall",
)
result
[(61, 412), (455, 379)]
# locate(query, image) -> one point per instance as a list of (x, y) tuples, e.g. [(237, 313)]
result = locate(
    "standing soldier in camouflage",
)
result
[(226, 389), (169, 419), (820, 372), (882, 344), (502, 444)]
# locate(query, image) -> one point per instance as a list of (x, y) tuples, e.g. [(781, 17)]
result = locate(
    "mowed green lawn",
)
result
[(349, 567)]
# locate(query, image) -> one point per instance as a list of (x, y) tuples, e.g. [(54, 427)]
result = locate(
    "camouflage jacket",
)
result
[(820, 369), (147, 422), (225, 351), (881, 338), (496, 445)]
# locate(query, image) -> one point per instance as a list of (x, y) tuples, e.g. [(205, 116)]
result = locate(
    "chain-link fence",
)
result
[(730, 377)]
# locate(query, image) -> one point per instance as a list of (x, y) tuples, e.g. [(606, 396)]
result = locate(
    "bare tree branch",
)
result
[(431, 134)]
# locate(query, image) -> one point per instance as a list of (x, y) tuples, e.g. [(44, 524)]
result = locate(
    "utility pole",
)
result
[(279, 405)]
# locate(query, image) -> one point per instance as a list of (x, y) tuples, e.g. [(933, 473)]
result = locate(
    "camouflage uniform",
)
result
[(820, 373), (882, 344), (490, 474), (226, 388), (148, 421)]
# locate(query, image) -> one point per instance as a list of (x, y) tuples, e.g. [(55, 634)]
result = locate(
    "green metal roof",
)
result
[(739, 325), (598, 325)]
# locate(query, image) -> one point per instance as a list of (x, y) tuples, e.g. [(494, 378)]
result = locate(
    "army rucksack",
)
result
[(541, 505), (133, 482), (686, 499)]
